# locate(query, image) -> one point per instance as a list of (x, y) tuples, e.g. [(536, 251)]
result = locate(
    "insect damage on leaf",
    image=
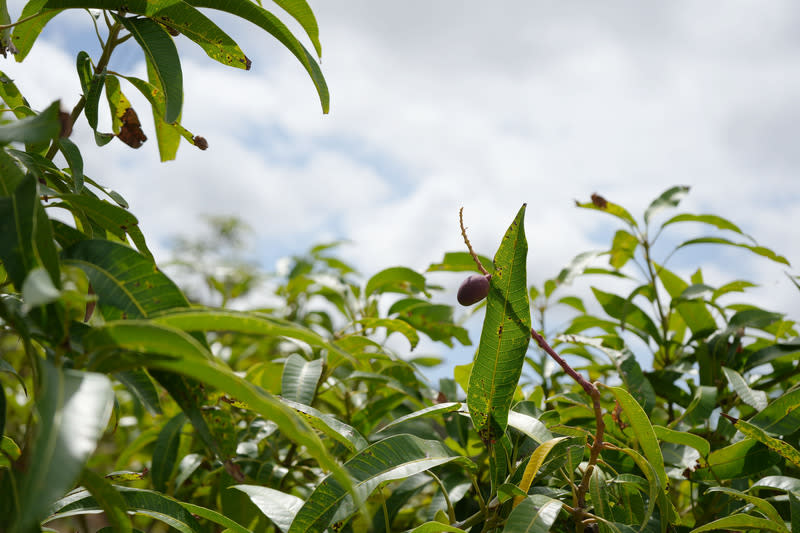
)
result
[(131, 132)]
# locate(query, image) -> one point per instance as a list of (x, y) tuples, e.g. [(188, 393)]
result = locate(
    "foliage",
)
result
[(119, 395)]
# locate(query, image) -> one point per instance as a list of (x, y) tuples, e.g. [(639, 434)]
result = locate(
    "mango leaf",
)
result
[(396, 279), (110, 217), (75, 162), (757, 399), (144, 344), (761, 504), (393, 458), (25, 34), (213, 516), (623, 247), (127, 284), (536, 461), (712, 220), (669, 198), (198, 319), (773, 351), (458, 262), (330, 426), (434, 320), (504, 338), (301, 12), (107, 497), (74, 409), (160, 51), (433, 410), (279, 507), (141, 385), (782, 416), (529, 426), (300, 379), (694, 313), (741, 459), (599, 203), (628, 313), (165, 452), (272, 25), (742, 522), (392, 325), (534, 514), (38, 128), (643, 429), (145, 502), (781, 447), (759, 250), (167, 136), (686, 439), (26, 236), (783, 483), (435, 527)]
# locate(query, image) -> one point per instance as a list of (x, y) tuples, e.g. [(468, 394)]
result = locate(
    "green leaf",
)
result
[(669, 198), (140, 501), (108, 499), (622, 248), (535, 514), (628, 313), (782, 416), (330, 426), (643, 429), (141, 385), (279, 507), (38, 289), (42, 127), (504, 338), (794, 504), (141, 342), (742, 522), (712, 220), (781, 447), (74, 409), (753, 318), (392, 325), (75, 162), (458, 262), (762, 505), (213, 516), (536, 461), (600, 204), (686, 439), (694, 313), (160, 51), (783, 483), (435, 527), (759, 250), (26, 236), (773, 351), (127, 284), (433, 410), (434, 320), (272, 25), (757, 399), (579, 264), (395, 279), (165, 452), (167, 135), (744, 458), (300, 379), (396, 457), (531, 427), (300, 10), (199, 319)]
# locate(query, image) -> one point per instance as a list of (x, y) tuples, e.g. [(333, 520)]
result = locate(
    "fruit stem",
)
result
[(469, 246)]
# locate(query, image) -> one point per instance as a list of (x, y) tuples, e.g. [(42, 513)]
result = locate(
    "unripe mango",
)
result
[(473, 289)]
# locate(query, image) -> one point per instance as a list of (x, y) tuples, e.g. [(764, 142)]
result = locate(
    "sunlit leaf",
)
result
[(300, 378), (535, 513), (42, 127), (74, 410), (757, 399), (782, 448), (504, 338), (669, 198), (279, 507), (744, 458)]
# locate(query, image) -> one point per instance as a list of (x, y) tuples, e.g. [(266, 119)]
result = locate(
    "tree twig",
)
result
[(469, 245), (597, 446)]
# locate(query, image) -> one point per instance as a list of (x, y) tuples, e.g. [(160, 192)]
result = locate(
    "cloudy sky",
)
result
[(437, 105)]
